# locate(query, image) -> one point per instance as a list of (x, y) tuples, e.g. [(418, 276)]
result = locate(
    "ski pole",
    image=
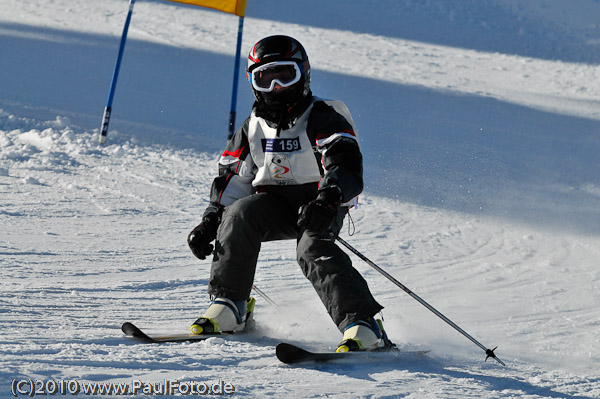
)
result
[(265, 297), (488, 352)]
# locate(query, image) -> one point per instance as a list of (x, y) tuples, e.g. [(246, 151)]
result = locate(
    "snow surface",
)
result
[(479, 122)]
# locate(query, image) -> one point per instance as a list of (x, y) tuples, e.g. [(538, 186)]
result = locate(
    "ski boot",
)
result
[(364, 335), (225, 316)]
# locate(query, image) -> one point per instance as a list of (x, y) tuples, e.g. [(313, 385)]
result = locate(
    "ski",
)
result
[(133, 331), (291, 354)]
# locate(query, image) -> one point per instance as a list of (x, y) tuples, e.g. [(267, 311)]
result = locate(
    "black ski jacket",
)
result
[(314, 150)]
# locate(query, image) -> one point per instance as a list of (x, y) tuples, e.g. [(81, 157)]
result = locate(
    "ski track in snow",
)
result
[(93, 236)]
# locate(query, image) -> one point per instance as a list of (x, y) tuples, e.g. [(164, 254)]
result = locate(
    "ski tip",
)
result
[(133, 331), (287, 353), (130, 329), (126, 327)]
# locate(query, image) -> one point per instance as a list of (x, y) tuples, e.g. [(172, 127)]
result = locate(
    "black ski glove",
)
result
[(201, 237), (318, 215)]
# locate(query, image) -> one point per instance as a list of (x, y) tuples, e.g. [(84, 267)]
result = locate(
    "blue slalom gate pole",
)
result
[(113, 85), (236, 72)]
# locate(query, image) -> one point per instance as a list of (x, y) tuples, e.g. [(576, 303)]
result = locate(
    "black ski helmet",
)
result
[(280, 48)]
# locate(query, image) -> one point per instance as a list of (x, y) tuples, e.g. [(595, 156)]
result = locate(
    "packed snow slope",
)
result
[(480, 126)]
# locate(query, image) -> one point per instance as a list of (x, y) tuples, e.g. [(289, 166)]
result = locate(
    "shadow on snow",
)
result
[(458, 152)]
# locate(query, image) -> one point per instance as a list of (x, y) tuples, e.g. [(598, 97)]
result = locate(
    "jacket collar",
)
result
[(282, 118)]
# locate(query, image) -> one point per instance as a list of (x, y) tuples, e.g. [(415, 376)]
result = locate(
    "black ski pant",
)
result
[(268, 216)]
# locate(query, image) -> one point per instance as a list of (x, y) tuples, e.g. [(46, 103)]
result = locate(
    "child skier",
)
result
[(291, 171)]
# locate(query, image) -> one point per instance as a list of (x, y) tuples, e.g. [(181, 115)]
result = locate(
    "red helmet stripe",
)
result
[(294, 51), (252, 54)]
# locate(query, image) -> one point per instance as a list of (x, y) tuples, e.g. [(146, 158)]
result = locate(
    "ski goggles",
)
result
[(284, 73)]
